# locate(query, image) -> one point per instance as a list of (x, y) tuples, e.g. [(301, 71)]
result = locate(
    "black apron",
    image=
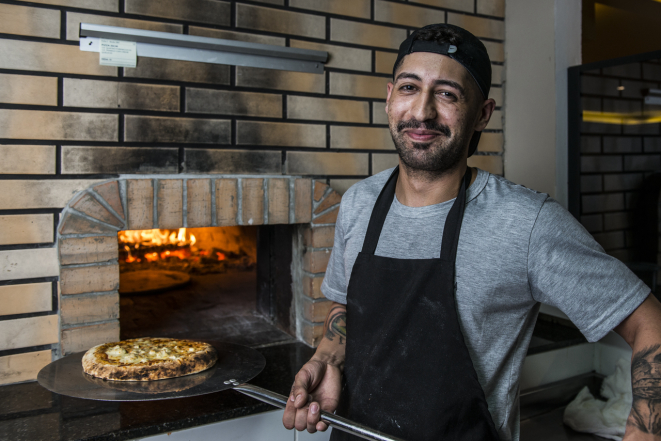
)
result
[(408, 372)]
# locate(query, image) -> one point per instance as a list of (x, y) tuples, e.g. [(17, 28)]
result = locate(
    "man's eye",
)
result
[(407, 87), (447, 95)]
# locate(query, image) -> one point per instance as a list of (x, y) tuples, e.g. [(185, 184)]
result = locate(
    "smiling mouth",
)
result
[(422, 135)]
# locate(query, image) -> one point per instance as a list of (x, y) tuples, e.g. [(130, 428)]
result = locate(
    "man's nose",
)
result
[(423, 108)]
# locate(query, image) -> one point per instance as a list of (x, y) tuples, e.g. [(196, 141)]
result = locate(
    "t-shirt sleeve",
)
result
[(334, 286), (568, 269)]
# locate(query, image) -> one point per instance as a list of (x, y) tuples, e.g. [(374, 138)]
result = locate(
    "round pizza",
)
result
[(146, 359)]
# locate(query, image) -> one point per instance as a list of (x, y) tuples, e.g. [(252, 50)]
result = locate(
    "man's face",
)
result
[(433, 107)]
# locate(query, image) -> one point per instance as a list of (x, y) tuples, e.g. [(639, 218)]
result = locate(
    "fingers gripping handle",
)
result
[(335, 421)]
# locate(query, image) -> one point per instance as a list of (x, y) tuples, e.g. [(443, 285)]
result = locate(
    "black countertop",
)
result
[(29, 412)]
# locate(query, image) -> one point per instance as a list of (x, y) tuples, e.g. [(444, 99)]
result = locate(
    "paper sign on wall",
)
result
[(118, 53)]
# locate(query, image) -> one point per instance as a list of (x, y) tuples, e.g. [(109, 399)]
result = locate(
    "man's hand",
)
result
[(642, 330), (317, 385)]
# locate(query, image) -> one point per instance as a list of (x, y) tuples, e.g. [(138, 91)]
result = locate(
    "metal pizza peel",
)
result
[(236, 366)]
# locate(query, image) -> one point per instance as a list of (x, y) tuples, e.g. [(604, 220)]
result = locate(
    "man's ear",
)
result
[(389, 89), (486, 110)]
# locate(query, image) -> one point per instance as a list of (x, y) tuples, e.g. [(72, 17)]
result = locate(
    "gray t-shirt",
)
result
[(517, 248)]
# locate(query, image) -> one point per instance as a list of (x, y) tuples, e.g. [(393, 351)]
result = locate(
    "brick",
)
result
[(226, 202), (352, 8), (618, 221), (478, 26), (328, 218), (496, 73), (325, 109), (591, 184), (170, 203), (18, 368), (26, 228), (75, 250), (492, 164), (622, 181), (490, 142), (358, 85), (233, 161), (233, 103), (599, 86), (99, 5), (140, 203), (309, 163), (590, 144), (202, 11), (87, 309), (379, 115), (366, 34), (316, 261), (322, 237), (316, 311), (281, 80), (312, 287), (163, 129), (98, 278), (302, 200), (349, 137), (199, 202), (74, 224), (46, 193), (459, 5), (600, 129), (280, 134), (339, 57), (88, 205), (237, 36), (636, 89), (319, 190), (280, 21), (619, 106), (47, 125), (252, 201), (651, 71), (593, 223), (28, 89), (496, 121), (495, 50), (383, 161), (496, 94), (408, 15), (312, 333), (622, 145), (110, 193), (33, 22), (384, 62), (495, 8), (332, 199), (28, 264), (610, 241), (278, 193), (48, 57), (652, 145), (84, 337), (640, 129), (26, 298), (342, 185), (175, 70), (113, 159), (27, 159), (588, 103), (114, 95), (74, 19), (642, 162), (26, 332), (602, 202), (600, 164)]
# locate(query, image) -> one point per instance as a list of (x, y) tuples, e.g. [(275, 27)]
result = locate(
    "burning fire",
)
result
[(134, 240)]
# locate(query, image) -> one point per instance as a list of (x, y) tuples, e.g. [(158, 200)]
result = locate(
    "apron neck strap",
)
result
[(452, 224)]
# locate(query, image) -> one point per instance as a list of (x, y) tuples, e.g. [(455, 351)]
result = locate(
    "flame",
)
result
[(145, 239)]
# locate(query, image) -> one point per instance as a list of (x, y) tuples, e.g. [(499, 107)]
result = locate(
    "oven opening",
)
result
[(217, 283)]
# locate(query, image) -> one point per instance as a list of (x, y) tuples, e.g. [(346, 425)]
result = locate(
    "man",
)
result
[(429, 348)]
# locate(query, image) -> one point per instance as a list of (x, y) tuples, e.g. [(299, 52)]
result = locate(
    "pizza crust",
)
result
[(98, 363)]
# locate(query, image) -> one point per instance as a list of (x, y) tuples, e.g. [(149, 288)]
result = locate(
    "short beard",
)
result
[(428, 161)]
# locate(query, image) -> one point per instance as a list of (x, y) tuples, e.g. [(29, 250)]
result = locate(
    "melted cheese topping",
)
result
[(145, 350)]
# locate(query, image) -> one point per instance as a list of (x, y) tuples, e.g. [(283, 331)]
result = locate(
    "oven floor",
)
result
[(211, 307)]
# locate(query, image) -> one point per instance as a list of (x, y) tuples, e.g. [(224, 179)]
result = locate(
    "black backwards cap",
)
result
[(461, 46)]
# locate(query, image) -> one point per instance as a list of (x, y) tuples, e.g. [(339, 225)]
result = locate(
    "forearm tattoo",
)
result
[(336, 324), (646, 384)]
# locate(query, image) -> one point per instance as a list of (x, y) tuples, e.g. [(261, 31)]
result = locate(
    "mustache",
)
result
[(424, 125)]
